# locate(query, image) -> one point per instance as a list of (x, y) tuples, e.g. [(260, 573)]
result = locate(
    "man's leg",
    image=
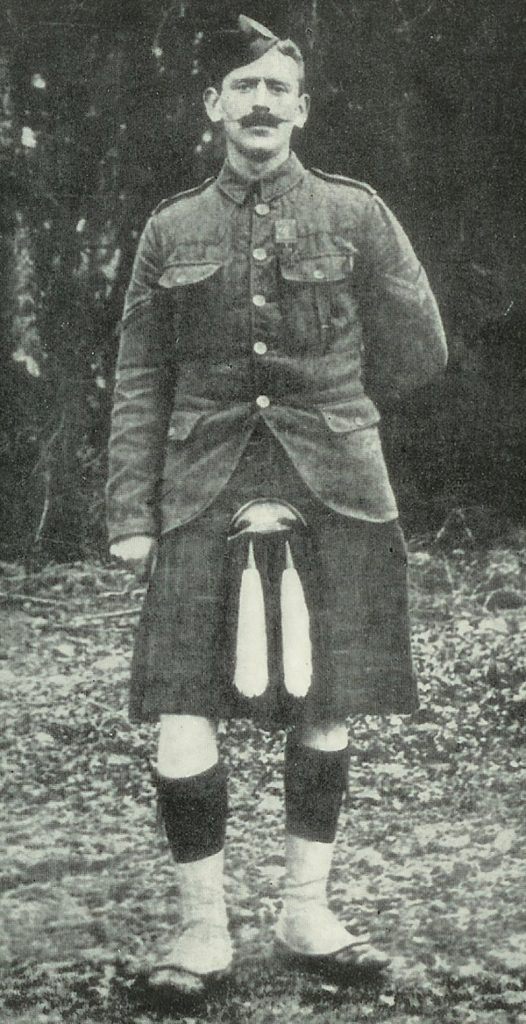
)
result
[(316, 769), (192, 791), (316, 764)]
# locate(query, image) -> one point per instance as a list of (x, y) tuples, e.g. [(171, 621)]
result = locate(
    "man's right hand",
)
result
[(137, 552)]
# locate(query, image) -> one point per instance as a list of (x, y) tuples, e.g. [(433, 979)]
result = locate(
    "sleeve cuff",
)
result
[(131, 528)]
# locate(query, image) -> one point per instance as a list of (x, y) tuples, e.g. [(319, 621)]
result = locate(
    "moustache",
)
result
[(260, 120)]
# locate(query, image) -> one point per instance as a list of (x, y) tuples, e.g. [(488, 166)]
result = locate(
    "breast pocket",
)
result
[(193, 294), (314, 297)]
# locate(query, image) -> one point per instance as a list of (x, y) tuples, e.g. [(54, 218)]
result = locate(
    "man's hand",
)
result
[(138, 553)]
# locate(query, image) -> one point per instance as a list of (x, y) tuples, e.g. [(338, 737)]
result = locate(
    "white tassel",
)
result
[(295, 631), (251, 675)]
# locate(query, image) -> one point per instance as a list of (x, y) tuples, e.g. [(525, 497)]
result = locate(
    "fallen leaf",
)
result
[(514, 998), (511, 959), (109, 663), (43, 737), (369, 794), (271, 803), (368, 855), (452, 842), (394, 771), (118, 759), (504, 840), (65, 650), (471, 969), (493, 625)]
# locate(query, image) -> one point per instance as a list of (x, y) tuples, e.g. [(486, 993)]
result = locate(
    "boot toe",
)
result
[(199, 958), (358, 958), (169, 977)]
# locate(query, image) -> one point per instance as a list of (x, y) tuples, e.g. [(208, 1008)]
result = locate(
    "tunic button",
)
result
[(258, 300), (262, 209), (260, 348), (319, 275), (263, 401), (260, 254)]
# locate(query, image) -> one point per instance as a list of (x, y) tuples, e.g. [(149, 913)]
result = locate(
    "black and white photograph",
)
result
[(263, 512)]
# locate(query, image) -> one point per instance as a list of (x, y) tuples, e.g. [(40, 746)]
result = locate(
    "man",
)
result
[(245, 462)]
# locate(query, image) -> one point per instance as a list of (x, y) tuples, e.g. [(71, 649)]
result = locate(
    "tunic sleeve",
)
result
[(142, 399), (404, 339)]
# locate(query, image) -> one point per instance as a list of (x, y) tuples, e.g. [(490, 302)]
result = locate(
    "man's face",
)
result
[(259, 105)]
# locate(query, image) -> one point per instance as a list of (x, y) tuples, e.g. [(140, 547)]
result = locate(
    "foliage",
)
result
[(430, 854), (100, 117)]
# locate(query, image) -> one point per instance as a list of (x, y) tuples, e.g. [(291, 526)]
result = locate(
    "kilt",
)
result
[(353, 574)]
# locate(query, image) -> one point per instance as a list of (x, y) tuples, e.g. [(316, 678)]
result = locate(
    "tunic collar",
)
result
[(273, 185)]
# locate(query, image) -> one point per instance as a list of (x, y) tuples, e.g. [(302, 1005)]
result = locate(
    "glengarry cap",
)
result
[(230, 47)]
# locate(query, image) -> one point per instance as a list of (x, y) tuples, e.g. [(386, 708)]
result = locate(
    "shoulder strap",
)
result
[(182, 195), (340, 179)]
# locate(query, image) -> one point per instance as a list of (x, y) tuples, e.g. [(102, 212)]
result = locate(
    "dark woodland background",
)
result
[(101, 117)]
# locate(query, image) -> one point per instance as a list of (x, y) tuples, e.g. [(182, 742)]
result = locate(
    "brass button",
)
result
[(263, 401), (260, 254), (319, 274), (260, 348), (262, 209), (259, 300)]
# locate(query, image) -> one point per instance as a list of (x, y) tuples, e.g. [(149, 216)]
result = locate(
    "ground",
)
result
[(429, 857)]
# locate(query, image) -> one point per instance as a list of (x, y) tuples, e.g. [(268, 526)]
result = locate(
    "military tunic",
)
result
[(259, 320), (268, 305)]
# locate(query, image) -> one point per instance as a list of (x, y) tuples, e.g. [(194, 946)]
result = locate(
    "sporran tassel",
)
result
[(295, 631), (251, 674)]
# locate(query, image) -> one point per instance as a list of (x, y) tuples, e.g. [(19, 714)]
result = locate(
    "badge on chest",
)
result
[(286, 238)]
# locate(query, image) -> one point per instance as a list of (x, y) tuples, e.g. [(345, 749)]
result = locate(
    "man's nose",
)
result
[(261, 95)]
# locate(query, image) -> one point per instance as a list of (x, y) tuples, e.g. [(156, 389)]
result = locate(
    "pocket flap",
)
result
[(180, 274), (317, 269), (343, 417), (182, 423)]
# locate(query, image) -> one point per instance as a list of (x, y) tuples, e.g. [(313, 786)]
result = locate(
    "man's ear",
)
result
[(212, 102), (302, 112)]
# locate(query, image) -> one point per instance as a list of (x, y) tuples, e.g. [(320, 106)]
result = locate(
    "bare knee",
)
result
[(187, 746), (328, 736)]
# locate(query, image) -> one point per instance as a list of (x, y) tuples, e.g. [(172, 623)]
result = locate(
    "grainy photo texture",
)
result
[(263, 545)]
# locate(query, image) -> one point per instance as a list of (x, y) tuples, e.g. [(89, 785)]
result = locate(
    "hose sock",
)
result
[(194, 812), (315, 781)]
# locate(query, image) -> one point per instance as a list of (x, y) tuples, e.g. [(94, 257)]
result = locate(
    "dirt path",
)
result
[(430, 855)]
